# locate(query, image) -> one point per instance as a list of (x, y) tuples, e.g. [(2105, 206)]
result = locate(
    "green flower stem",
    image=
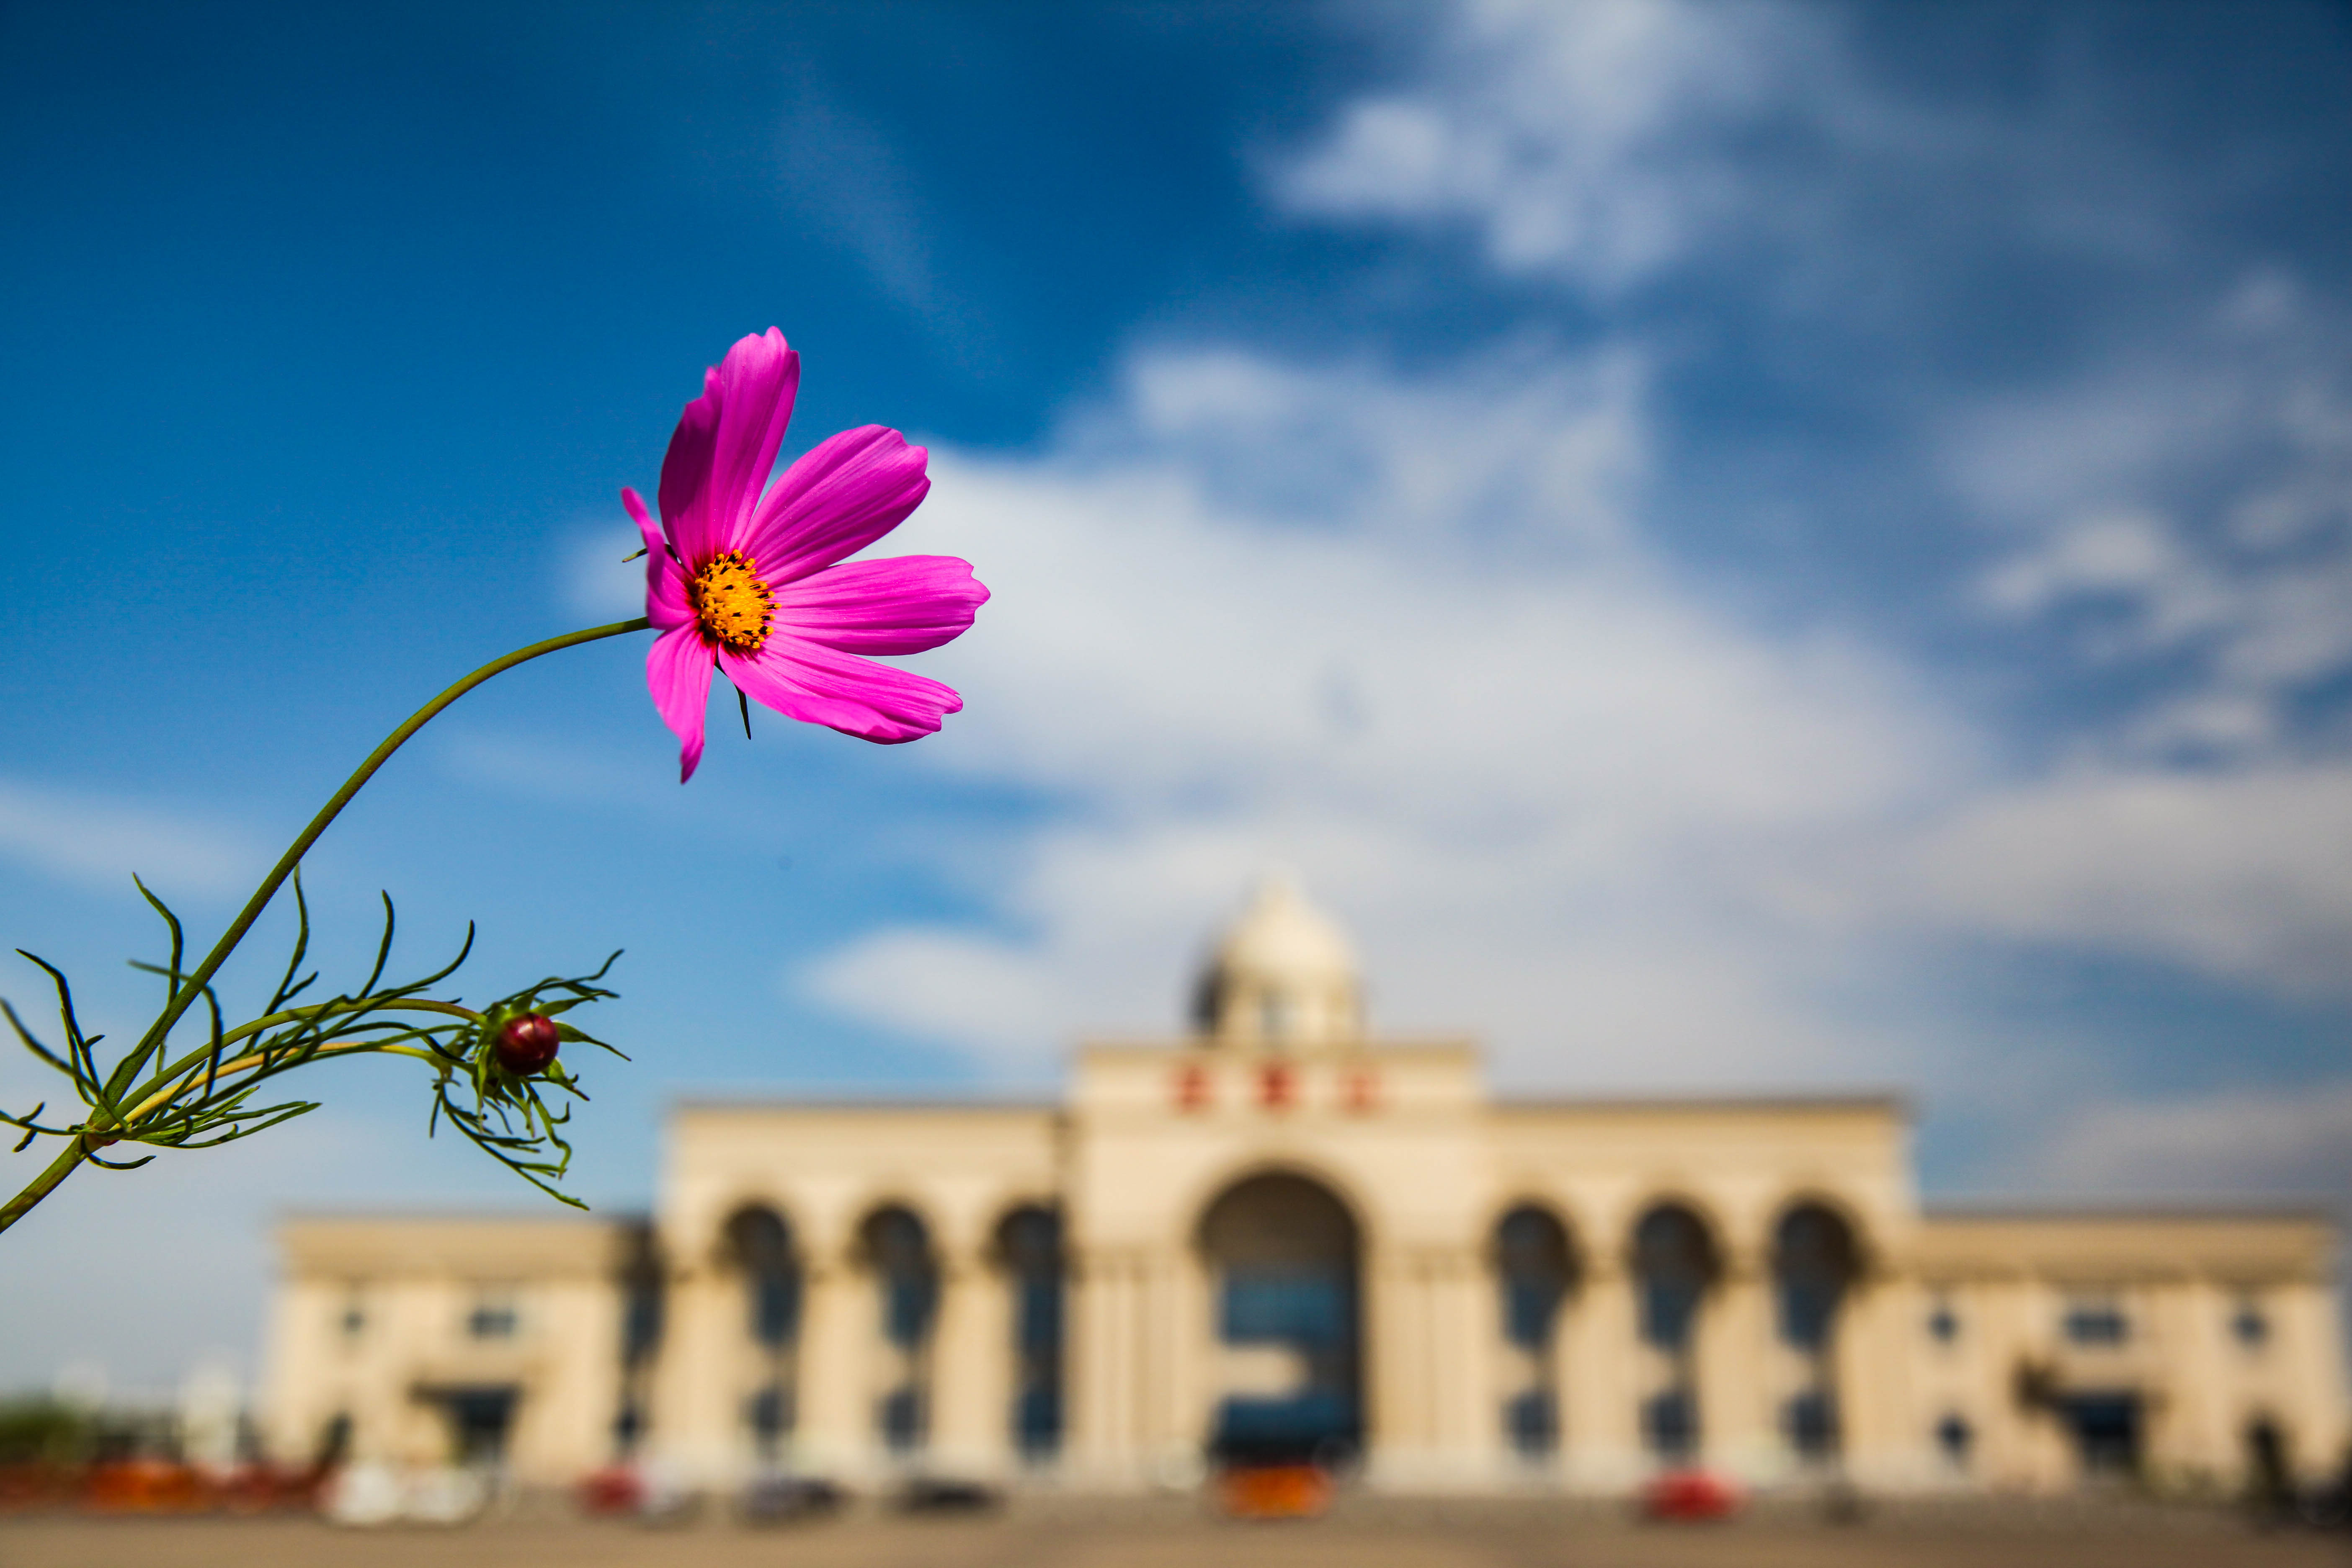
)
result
[(42, 1186), (187, 1066), (162, 1087), (79, 1147)]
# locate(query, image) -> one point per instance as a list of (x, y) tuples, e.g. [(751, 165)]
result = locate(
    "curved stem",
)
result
[(330, 1048), (202, 1054), (45, 1184), (204, 972), (79, 1145)]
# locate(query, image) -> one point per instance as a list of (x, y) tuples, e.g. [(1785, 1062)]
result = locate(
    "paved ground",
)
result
[(1392, 1535)]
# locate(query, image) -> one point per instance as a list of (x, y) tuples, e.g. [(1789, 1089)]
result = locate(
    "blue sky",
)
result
[(1734, 546)]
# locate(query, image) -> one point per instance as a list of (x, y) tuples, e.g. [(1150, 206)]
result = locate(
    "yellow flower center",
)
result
[(734, 604)]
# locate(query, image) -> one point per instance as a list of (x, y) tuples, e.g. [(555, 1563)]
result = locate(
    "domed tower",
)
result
[(1282, 979)]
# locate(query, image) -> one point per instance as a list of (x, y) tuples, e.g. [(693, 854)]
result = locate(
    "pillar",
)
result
[(839, 1321), (694, 1421), (1738, 1428), (971, 1354), (1598, 1393)]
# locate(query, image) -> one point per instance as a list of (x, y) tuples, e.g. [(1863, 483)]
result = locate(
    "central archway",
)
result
[(1282, 1260)]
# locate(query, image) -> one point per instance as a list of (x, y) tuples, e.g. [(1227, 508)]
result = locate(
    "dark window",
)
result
[(1943, 1323), (761, 1246), (1676, 1262), (354, 1319), (2107, 1430), (770, 1416), (1031, 1242), (2250, 1326), (900, 1250), (1670, 1424), (479, 1419), (1531, 1422), (2096, 1324), (1954, 1438), (1810, 1419), (1531, 1253), (1813, 1260), (491, 1319), (902, 1419)]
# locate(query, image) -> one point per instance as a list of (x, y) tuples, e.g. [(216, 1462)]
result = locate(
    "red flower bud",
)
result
[(526, 1045)]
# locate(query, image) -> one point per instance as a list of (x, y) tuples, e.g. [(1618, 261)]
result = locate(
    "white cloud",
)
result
[(2247, 875), (597, 580), (1590, 139), (103, 841), (2190, 509), (2272, 1144), (1558, 791)]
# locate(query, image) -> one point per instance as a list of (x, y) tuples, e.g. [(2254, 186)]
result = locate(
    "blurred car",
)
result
[(1275, 1491), (789, 1500), (1690, 1496), (933, 1494)]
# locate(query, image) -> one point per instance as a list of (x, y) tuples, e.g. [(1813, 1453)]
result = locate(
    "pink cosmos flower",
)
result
[(757, 584)]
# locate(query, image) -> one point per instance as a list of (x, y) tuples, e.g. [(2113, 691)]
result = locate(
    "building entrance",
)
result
[(1283, 1262)]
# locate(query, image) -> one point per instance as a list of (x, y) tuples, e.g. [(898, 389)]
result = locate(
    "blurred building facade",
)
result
[(1280, 1237)]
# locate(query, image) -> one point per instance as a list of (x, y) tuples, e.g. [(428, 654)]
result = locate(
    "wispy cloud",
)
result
[(103, 840), (2267, 1144)]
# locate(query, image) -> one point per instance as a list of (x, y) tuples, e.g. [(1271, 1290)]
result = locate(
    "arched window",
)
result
[(1029, 1244), (1813, 1264), (1674, 1264), (1533, 1269), (897, 1247), (760, 1247), (641, 1332), (1282, 1257)]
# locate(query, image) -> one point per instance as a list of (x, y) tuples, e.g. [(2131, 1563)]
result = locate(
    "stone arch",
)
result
[(1284, 1252), (756, 1244), (1031, 1250), (1674, 1258), (897, 1249), (1533, 1254), (1815, 1259)]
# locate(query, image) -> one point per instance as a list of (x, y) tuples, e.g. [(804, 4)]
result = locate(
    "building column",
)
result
[(1738, 1429), (1884, 1434), (1599, 1396), (1394, 1334), (1104, 1364), (694, 1422), (839, 1321), (1468, 1317), (970, 1373)]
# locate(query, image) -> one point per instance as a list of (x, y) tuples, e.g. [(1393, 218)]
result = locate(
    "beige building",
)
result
[(1283, 1237)]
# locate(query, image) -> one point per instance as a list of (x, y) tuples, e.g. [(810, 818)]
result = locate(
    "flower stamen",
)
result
[(734, 605)]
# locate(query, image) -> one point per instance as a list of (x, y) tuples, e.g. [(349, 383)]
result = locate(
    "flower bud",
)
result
[(526, 1044)]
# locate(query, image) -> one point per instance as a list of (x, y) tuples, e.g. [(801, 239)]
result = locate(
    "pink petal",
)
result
[(667, 604), (819, 686), (725, 446), (839, 496), (903, 605), (678, 672)]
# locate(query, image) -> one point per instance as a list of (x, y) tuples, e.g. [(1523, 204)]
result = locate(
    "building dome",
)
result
[(1284, 975)]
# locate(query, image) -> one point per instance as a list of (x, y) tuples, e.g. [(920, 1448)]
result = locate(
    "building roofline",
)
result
[(853, 1101), (2220, 1211), (1860, 1100), (469, 1216)]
